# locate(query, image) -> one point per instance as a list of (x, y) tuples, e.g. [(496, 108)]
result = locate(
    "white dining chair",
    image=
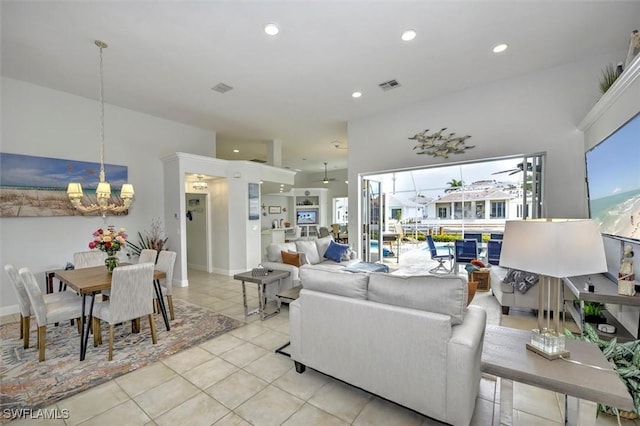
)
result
[(25, 305), (88, 259), (148, 255), (166, 262), (131, 298), (67, 308)]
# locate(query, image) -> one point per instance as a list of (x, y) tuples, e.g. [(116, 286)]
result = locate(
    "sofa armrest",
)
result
[(464, 354)]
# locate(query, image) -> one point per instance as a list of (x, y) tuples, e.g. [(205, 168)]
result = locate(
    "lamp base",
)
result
[(547, 355)]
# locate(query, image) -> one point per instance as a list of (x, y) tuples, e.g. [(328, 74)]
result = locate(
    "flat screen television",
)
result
[(613, 182), (307, 217)]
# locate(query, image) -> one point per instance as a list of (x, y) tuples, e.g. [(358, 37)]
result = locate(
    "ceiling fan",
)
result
[(326, 178), (518, 169)]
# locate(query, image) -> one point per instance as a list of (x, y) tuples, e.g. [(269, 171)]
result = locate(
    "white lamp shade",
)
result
[(553, 247), (126, 191), (103, 190), (74, 190)]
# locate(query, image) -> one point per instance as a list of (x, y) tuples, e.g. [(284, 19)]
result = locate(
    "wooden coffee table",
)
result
[(262, 282), (592, 378)]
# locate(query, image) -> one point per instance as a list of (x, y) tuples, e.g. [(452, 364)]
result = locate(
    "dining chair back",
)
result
[(66, 308), (323, 232), (465, 251), (88, 259), (440, 257), (473, 236), (131, 298), (494, 248), (166, 262), (148, 255)]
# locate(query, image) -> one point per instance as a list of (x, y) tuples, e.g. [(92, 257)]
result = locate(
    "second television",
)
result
[(307, 217)]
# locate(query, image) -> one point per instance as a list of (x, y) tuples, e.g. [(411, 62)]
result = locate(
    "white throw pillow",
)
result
[(310, 249), (322, 244)]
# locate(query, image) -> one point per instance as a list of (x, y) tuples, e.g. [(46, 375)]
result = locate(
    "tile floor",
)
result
[(237, 379)]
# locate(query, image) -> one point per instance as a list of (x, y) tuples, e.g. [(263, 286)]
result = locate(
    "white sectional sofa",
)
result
[(313, 250), (409, 339)]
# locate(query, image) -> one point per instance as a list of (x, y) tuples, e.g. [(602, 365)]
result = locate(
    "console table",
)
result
[(606, 291), (504, 355)]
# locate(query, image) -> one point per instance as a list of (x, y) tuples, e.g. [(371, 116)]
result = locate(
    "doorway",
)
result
[(196, 221)]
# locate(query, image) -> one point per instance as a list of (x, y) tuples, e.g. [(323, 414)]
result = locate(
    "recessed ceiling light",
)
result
[(271, 29), (500, 48), (356, 94), (408, 35), (236, 150)]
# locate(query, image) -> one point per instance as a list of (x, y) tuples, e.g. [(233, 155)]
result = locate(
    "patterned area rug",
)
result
[(27, 383)]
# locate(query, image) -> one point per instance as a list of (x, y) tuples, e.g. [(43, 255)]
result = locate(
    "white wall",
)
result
[(48, 123), (533, 113)]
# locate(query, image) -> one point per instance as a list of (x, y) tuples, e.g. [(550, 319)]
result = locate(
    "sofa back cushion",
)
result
[(333, 281), (310, 249), (441, 294), (273, 251)]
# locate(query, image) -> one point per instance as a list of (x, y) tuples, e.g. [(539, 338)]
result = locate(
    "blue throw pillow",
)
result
[(335, 251)]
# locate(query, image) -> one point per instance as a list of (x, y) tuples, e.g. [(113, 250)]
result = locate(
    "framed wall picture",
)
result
[(254, 201), (275, 210)]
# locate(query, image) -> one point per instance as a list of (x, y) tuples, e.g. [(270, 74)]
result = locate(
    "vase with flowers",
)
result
[(110, 241)]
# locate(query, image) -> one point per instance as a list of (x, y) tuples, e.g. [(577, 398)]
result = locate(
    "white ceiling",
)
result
[(164, 57)]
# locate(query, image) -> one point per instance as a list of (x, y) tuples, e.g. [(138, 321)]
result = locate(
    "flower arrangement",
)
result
[(109, 241)]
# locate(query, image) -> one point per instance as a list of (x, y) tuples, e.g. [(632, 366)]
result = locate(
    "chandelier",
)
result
[(103, 203), (199, 184)]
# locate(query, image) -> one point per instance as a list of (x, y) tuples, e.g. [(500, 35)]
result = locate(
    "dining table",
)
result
[(90, 281)]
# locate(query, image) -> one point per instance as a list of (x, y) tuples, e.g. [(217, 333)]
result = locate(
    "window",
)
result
[(442, 212), (340, 210), (498, 210), (396, 213)]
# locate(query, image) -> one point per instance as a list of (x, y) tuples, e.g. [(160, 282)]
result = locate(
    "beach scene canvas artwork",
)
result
[(33, 186), (613, 180)]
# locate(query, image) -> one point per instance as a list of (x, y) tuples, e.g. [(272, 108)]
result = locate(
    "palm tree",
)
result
[(453, 185)]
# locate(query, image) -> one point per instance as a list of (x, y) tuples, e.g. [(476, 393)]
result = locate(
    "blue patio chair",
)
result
[(473, 236), (441, 257), (494, 247), (496, 236), (465, 252)]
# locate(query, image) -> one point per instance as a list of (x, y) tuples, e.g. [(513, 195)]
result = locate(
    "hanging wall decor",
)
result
[(439, 144)]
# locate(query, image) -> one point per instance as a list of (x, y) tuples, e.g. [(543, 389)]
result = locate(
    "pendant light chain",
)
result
[(102, 176)]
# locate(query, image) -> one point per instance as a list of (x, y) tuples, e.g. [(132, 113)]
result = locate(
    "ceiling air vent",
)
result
[(388, 85), (256, 160), (221, 88)]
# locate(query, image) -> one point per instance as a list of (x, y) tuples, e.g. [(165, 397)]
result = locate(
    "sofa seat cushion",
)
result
[(334, 281), (442, 294), (274, 251)]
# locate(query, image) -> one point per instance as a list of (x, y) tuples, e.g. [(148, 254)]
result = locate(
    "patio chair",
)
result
[(440, 257), (494, 248), (465, 252), (496, 236), (473, 236)]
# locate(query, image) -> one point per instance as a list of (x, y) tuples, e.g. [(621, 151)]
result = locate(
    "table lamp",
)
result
[(553, 249)]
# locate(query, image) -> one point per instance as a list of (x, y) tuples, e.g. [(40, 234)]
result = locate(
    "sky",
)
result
[(613, 166)]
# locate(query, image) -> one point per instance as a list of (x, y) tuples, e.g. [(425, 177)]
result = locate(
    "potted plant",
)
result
[(593, 313), (625, 359)]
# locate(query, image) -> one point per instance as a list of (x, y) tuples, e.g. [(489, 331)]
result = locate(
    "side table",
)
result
[(287, 297), (262, 282)]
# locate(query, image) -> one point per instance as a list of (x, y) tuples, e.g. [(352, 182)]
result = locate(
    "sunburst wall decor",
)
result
[(439, 144)]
